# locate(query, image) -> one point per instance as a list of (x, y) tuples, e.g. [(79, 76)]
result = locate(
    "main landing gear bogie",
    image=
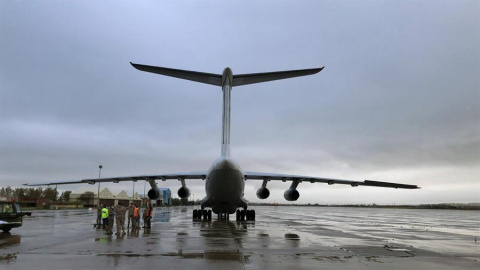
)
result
[(245, 215), (206, 215), (199, 214)]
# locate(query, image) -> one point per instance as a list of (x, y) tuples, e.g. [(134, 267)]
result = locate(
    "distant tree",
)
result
[(33, 192), (20, 192), (65, 197), (176, 201), (7, 192), (87, 197), (50, 194)]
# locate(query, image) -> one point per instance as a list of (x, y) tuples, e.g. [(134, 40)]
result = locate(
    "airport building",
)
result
[(107, 198), (166, 198)]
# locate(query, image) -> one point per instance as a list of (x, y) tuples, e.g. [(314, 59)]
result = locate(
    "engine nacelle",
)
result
[(291, 195), (263, 193), (154, 194), (183, 192)]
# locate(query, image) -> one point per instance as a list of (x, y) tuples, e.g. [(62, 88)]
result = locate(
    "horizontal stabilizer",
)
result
[(208, 78), (244, 79), (216, 79)]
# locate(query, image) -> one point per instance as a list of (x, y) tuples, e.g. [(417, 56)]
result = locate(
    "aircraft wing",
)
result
[(330, 181), (177, 176)]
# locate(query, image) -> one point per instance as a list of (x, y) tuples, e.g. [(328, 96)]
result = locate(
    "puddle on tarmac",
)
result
[(207, 255), (292, 236)]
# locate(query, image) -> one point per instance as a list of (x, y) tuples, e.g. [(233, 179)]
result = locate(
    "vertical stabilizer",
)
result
[(227, 91)]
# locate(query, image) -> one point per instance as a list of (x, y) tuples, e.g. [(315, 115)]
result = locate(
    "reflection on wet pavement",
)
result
[(309, 238)]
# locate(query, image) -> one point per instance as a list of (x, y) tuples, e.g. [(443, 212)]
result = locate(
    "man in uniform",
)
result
[(111, 217), (144, 217), (130, 215), (120, 217), (149, 214), (99, 215)]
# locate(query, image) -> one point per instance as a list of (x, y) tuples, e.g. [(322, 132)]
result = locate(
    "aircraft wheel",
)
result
[(209, 214), (242, 215), (6, 230), (204, 214), (238, 214), (252, 215), (194, 216)]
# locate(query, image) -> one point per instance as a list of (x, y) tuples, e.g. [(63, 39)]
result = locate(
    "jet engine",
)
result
[(291, 194), (263, 193), (183, 192), (154, 194)]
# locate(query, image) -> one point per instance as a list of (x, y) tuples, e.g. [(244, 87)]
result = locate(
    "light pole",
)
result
[(144, 200), (133, 196), (99, 176)]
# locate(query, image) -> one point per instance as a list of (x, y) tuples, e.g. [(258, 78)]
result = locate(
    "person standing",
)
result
[(120, 217), (136, 218), (144, 217), (130, 215), (99, 215), (149, 215), (105, 217), (111, 218)]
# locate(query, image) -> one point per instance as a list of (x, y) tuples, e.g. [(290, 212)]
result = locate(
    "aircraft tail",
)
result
[(227, 80), (216, 79)]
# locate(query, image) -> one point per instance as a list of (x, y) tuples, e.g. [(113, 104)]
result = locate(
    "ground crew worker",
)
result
[(111, 217), (144, 217), (99, 215), (130, 215), (120, 217), (105, 217), (149, 215), (136, 218)]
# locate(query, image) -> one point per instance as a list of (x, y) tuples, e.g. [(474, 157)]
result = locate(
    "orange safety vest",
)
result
[(135, 212)]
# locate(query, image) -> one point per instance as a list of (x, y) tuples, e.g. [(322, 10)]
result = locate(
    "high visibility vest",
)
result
[(135, 212), (104, 213)]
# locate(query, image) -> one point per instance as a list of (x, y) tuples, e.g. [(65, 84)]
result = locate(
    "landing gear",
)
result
[(199, 214), (245, 214), (250, 214), (223, 216)]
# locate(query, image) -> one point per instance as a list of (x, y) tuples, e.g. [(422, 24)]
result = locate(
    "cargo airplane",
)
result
[(225, 180)]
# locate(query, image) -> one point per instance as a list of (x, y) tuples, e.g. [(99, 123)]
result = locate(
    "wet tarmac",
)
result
[(280, 238)]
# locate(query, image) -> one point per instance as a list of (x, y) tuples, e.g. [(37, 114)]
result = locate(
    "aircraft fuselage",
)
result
[(225, 180)]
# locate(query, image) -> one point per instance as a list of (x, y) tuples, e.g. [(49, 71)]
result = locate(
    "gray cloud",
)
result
[(399, 98)]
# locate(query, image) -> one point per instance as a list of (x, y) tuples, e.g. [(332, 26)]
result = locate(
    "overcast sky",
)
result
[(398, 100)]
